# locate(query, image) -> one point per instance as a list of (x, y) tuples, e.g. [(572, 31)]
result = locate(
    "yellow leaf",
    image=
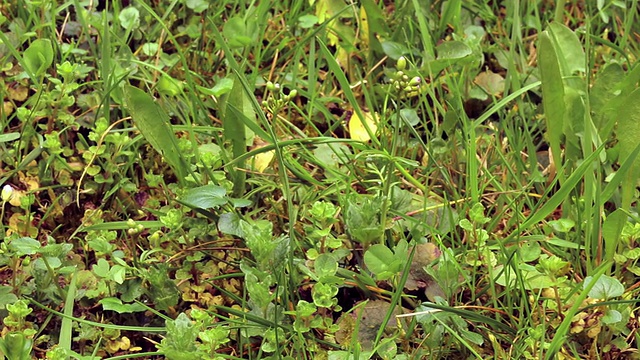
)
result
[(364, 27), (357, 131), (261, 161)]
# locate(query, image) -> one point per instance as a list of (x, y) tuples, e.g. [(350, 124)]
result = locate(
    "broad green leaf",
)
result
[(229, 223), (530, 251), (24, 246), (573, 123), (325, 265), (129, 18), (379, 260), (562, 225), (611, 230), (552, 93), (572, 57), (155, 126), (197, 6), (206, 197), (38, 57), (453, 50), (115, 304), (307, 21), (410, 117), (620, 92), (611, 317), (16, 345), (6, 296), (222, 87), (169, 86), (180, 340), (604, 90), (628, 134), (394, 50), (605, 288), (9, 137), (118, 273), (237, 32), (101, 268)]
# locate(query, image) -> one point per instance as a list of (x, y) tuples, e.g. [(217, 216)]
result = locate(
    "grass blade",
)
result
[(563, 193), (66, 325)]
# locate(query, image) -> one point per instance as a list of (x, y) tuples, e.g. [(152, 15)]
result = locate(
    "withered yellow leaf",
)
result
[(262, 160), (357, 131)]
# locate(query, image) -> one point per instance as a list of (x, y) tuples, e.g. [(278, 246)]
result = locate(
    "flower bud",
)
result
[(402, 63), (270, 86), (415, 81), (7, 193)]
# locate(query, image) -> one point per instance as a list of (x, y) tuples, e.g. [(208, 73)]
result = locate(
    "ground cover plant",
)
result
[(319, 179)]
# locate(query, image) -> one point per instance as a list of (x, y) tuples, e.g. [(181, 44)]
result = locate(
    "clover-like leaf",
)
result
[(606, 287), (206, 197)]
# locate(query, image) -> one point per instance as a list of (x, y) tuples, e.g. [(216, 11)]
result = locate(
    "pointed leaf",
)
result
[(552, 93), (154, 125)]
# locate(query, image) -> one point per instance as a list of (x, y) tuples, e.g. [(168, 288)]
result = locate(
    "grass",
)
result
[(321, 179)]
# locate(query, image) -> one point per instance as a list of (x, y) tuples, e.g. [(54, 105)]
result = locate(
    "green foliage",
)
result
[(406, 162), (154, 125), (38, 58)]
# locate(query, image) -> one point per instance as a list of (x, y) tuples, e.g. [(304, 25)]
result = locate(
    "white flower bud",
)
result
[(7, 193)]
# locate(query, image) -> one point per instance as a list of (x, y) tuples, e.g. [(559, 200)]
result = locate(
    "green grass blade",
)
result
[(563, 193), (97, 324), (66, 325)]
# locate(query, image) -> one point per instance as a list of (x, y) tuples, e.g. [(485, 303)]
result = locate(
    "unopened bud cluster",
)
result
[(402, 83), (277, 99)]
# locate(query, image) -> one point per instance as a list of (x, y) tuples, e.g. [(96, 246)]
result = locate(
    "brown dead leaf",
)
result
[(418, 278), (371, 316), (490, 82), (18, 93)]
